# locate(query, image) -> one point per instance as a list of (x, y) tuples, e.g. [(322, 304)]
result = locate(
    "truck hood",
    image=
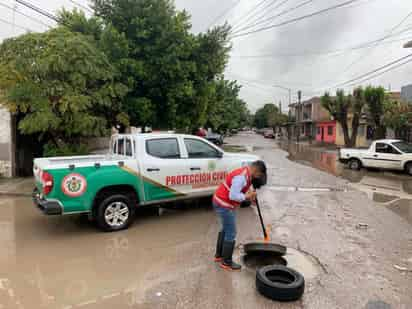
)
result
[(245, 157)]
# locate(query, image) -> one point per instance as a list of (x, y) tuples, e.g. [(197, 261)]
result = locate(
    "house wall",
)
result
[(327, 138), (5, 143), (361, 140)]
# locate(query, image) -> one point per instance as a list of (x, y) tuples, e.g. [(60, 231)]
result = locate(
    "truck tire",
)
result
[(408, 168), (115, 213), (355, 164), (278, 282)]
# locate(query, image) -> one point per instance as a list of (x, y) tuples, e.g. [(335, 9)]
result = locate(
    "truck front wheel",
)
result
[(115, 213), (355, 164)]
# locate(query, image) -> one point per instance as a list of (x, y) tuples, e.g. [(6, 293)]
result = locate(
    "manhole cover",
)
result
[(377, 304)]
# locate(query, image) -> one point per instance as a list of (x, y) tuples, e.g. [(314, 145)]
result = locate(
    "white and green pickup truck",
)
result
[(139, 170)]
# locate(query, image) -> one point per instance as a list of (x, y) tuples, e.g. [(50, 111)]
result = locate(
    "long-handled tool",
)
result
[(265, 234)]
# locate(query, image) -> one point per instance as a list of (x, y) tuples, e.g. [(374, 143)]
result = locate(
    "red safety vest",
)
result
[(221, 196)]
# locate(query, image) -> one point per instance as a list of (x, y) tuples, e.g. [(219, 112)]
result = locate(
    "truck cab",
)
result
[(139, 170)]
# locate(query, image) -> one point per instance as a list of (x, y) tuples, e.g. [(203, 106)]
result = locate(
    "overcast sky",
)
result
[(297, 55)]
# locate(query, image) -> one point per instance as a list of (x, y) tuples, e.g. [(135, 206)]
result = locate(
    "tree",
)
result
[(375, 101), (173, 71), (59, 84), (397, 115), (341, 107), (226, 110), (270, 116)]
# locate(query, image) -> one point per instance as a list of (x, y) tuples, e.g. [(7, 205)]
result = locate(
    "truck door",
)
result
[(161, 164), (387, 157), (206, 166)]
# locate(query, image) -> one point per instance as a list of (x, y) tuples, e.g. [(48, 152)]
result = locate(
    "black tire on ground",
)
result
[(280, 283), (115, 213), (408, 168), (264, 248), (355, 164)]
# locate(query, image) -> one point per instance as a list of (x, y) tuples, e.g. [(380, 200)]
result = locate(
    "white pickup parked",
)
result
[(383, 154)]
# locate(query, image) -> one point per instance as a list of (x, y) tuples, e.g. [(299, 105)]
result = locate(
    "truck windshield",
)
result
[(404, 147)]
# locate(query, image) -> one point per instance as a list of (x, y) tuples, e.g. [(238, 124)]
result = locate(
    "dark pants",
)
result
[(228, 221)]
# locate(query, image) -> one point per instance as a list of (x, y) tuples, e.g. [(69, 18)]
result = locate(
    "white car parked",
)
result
[(383, 154)]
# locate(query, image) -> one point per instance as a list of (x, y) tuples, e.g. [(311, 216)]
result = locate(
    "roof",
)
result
[(158, 135), (389, 141)]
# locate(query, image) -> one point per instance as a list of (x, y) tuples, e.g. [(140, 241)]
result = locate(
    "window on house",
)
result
[(330, 130), (362, 130)]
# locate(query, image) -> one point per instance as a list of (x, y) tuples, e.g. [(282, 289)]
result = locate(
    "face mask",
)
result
[(258, 182)]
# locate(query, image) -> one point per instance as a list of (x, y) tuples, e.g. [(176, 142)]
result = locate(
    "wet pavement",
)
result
[(392, 189), (165, 261)]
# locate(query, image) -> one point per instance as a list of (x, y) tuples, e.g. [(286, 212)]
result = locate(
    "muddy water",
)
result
[(390, 189), (64, 262)]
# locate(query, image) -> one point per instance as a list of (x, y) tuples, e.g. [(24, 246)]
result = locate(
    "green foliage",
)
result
[(51, 150), (397, 115), (225, 110), (375, 100), (133, 63), (61, 83), (269, 116), (341, 107)]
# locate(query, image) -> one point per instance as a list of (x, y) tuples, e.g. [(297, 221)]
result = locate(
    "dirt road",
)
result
[(165, 261)]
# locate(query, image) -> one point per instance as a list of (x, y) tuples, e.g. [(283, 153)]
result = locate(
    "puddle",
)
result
[(234, 148), (390, 189)]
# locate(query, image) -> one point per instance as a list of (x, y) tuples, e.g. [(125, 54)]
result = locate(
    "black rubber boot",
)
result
[(228, 264), (219, 247)]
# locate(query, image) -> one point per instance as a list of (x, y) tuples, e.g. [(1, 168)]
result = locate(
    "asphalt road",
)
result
[(165, 261)]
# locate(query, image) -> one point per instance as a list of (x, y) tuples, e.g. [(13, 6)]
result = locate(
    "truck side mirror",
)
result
[(219, 154)]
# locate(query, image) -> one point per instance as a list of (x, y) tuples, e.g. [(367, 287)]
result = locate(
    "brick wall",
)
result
[(5, 143)]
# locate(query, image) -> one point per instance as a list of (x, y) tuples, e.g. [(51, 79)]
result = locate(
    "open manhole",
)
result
[(255, 261)]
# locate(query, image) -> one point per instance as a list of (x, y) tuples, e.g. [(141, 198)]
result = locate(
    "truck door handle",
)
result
[(153, 170), (195, 168), (375, 156)]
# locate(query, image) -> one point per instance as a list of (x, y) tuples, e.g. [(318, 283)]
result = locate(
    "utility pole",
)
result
[(300, 113)]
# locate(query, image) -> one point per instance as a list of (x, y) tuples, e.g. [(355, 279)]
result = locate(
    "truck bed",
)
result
[(79, 161)]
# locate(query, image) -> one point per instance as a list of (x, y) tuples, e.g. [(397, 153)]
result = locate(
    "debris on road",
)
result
[(362, 226), (401, 268)]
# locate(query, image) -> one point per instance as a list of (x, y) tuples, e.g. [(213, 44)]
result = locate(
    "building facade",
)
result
[(6, 143), (406, 93)]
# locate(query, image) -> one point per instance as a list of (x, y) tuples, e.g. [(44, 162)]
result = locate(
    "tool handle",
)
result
[(261, 218)]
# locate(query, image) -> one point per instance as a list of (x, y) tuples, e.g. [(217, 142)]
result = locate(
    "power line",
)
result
[(381, 73), (38, 10), (224, 13), (255, 17), (82, 6), (265, 21), (374, 71), (15, 25), (244, 16), (337, 52), (379, 40), (26, 15), (293, 20)]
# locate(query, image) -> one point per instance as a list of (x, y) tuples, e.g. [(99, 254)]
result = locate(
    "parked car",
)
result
[(269, 133), (139, 170), (382, 154), (215, 138)]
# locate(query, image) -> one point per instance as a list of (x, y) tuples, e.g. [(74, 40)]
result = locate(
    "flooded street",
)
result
[(387, 188), (344, 244)]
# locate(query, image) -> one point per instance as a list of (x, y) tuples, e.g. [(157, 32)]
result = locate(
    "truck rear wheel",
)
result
[(115, 213), (355, 164)]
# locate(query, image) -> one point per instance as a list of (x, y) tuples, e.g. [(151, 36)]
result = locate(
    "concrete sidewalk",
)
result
[(16, 186)]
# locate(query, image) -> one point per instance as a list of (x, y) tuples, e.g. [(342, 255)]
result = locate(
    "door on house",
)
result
[(322, 133)]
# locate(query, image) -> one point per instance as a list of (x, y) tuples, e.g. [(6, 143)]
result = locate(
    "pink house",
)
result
[(326, 132)]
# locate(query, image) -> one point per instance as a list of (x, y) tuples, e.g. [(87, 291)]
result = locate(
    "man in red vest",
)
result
[(233, 192)]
